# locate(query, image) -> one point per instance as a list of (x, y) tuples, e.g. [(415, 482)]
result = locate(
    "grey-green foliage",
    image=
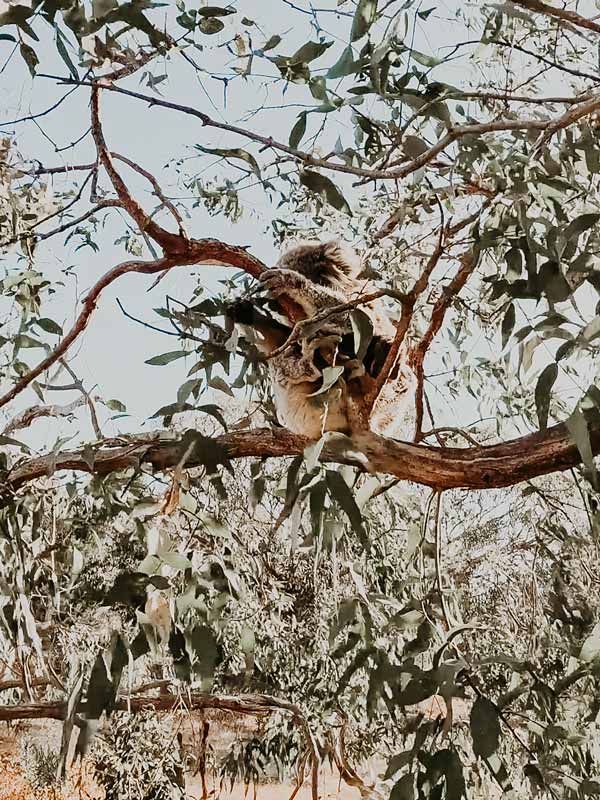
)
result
[(138, 756), (39, 762)]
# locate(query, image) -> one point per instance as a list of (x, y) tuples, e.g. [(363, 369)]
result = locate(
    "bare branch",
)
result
[(157, 191), (389, 174), (25, 418), (86, 396), (417, 356), (170, 242)]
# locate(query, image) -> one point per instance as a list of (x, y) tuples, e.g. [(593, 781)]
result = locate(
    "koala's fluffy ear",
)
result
[(345, 258)]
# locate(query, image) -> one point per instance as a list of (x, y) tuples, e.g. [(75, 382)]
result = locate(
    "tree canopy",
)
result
[(158, 157)]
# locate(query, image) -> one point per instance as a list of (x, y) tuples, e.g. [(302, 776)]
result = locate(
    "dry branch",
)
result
[(485, 467)]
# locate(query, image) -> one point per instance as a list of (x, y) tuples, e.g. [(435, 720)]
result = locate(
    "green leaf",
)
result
[(579, 430), (220, 385), (342, 494), (186, 389), (49, 325), (166, 358), (298, 131), (176, 561), (234, 152), (309, 51), (271, 42), (30, 57), (7, 37), (18, 15), (508, 324), (404, 789), (542, 393), (62, 51), (414, 146), (364, 17), (579, 225), (330, 377), (362, 329), (325, 188), (215, 11), (425, 60), (211, 25), (345, 65), (116, 405), (485, 727)]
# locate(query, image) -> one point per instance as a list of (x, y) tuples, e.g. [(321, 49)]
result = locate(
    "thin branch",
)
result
[(417, 355), (170, 242), (408, 168), (87, 397), (41, 170), (29, 415), (562, 67), (32, 117), (405, 319), (157, 191)]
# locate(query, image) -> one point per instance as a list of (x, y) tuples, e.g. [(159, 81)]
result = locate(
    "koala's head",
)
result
[(325, 263)]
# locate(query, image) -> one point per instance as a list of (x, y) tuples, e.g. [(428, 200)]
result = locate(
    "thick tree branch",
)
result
[(485, 467), (558, 13)]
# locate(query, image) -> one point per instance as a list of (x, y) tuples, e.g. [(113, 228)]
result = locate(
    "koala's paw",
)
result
[(279, 281)]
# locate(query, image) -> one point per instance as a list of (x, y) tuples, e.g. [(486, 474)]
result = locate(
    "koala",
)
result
[(318, 276), (296, 374)]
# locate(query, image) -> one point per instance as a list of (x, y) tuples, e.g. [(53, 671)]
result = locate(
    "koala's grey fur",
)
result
[(317, 276)]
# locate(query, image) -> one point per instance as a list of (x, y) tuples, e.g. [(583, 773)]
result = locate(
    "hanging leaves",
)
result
[(364, 17), (325, 188), (485, 727), (542, 393)]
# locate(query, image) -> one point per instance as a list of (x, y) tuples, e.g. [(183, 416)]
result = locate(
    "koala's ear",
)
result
[(345, 258)]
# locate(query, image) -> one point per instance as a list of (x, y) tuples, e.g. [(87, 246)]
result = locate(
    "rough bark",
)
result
[(485, 467)]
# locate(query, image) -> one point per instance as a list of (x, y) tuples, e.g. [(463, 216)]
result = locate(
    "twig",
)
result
[(157, 191), (29, 415), (88, 398)]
